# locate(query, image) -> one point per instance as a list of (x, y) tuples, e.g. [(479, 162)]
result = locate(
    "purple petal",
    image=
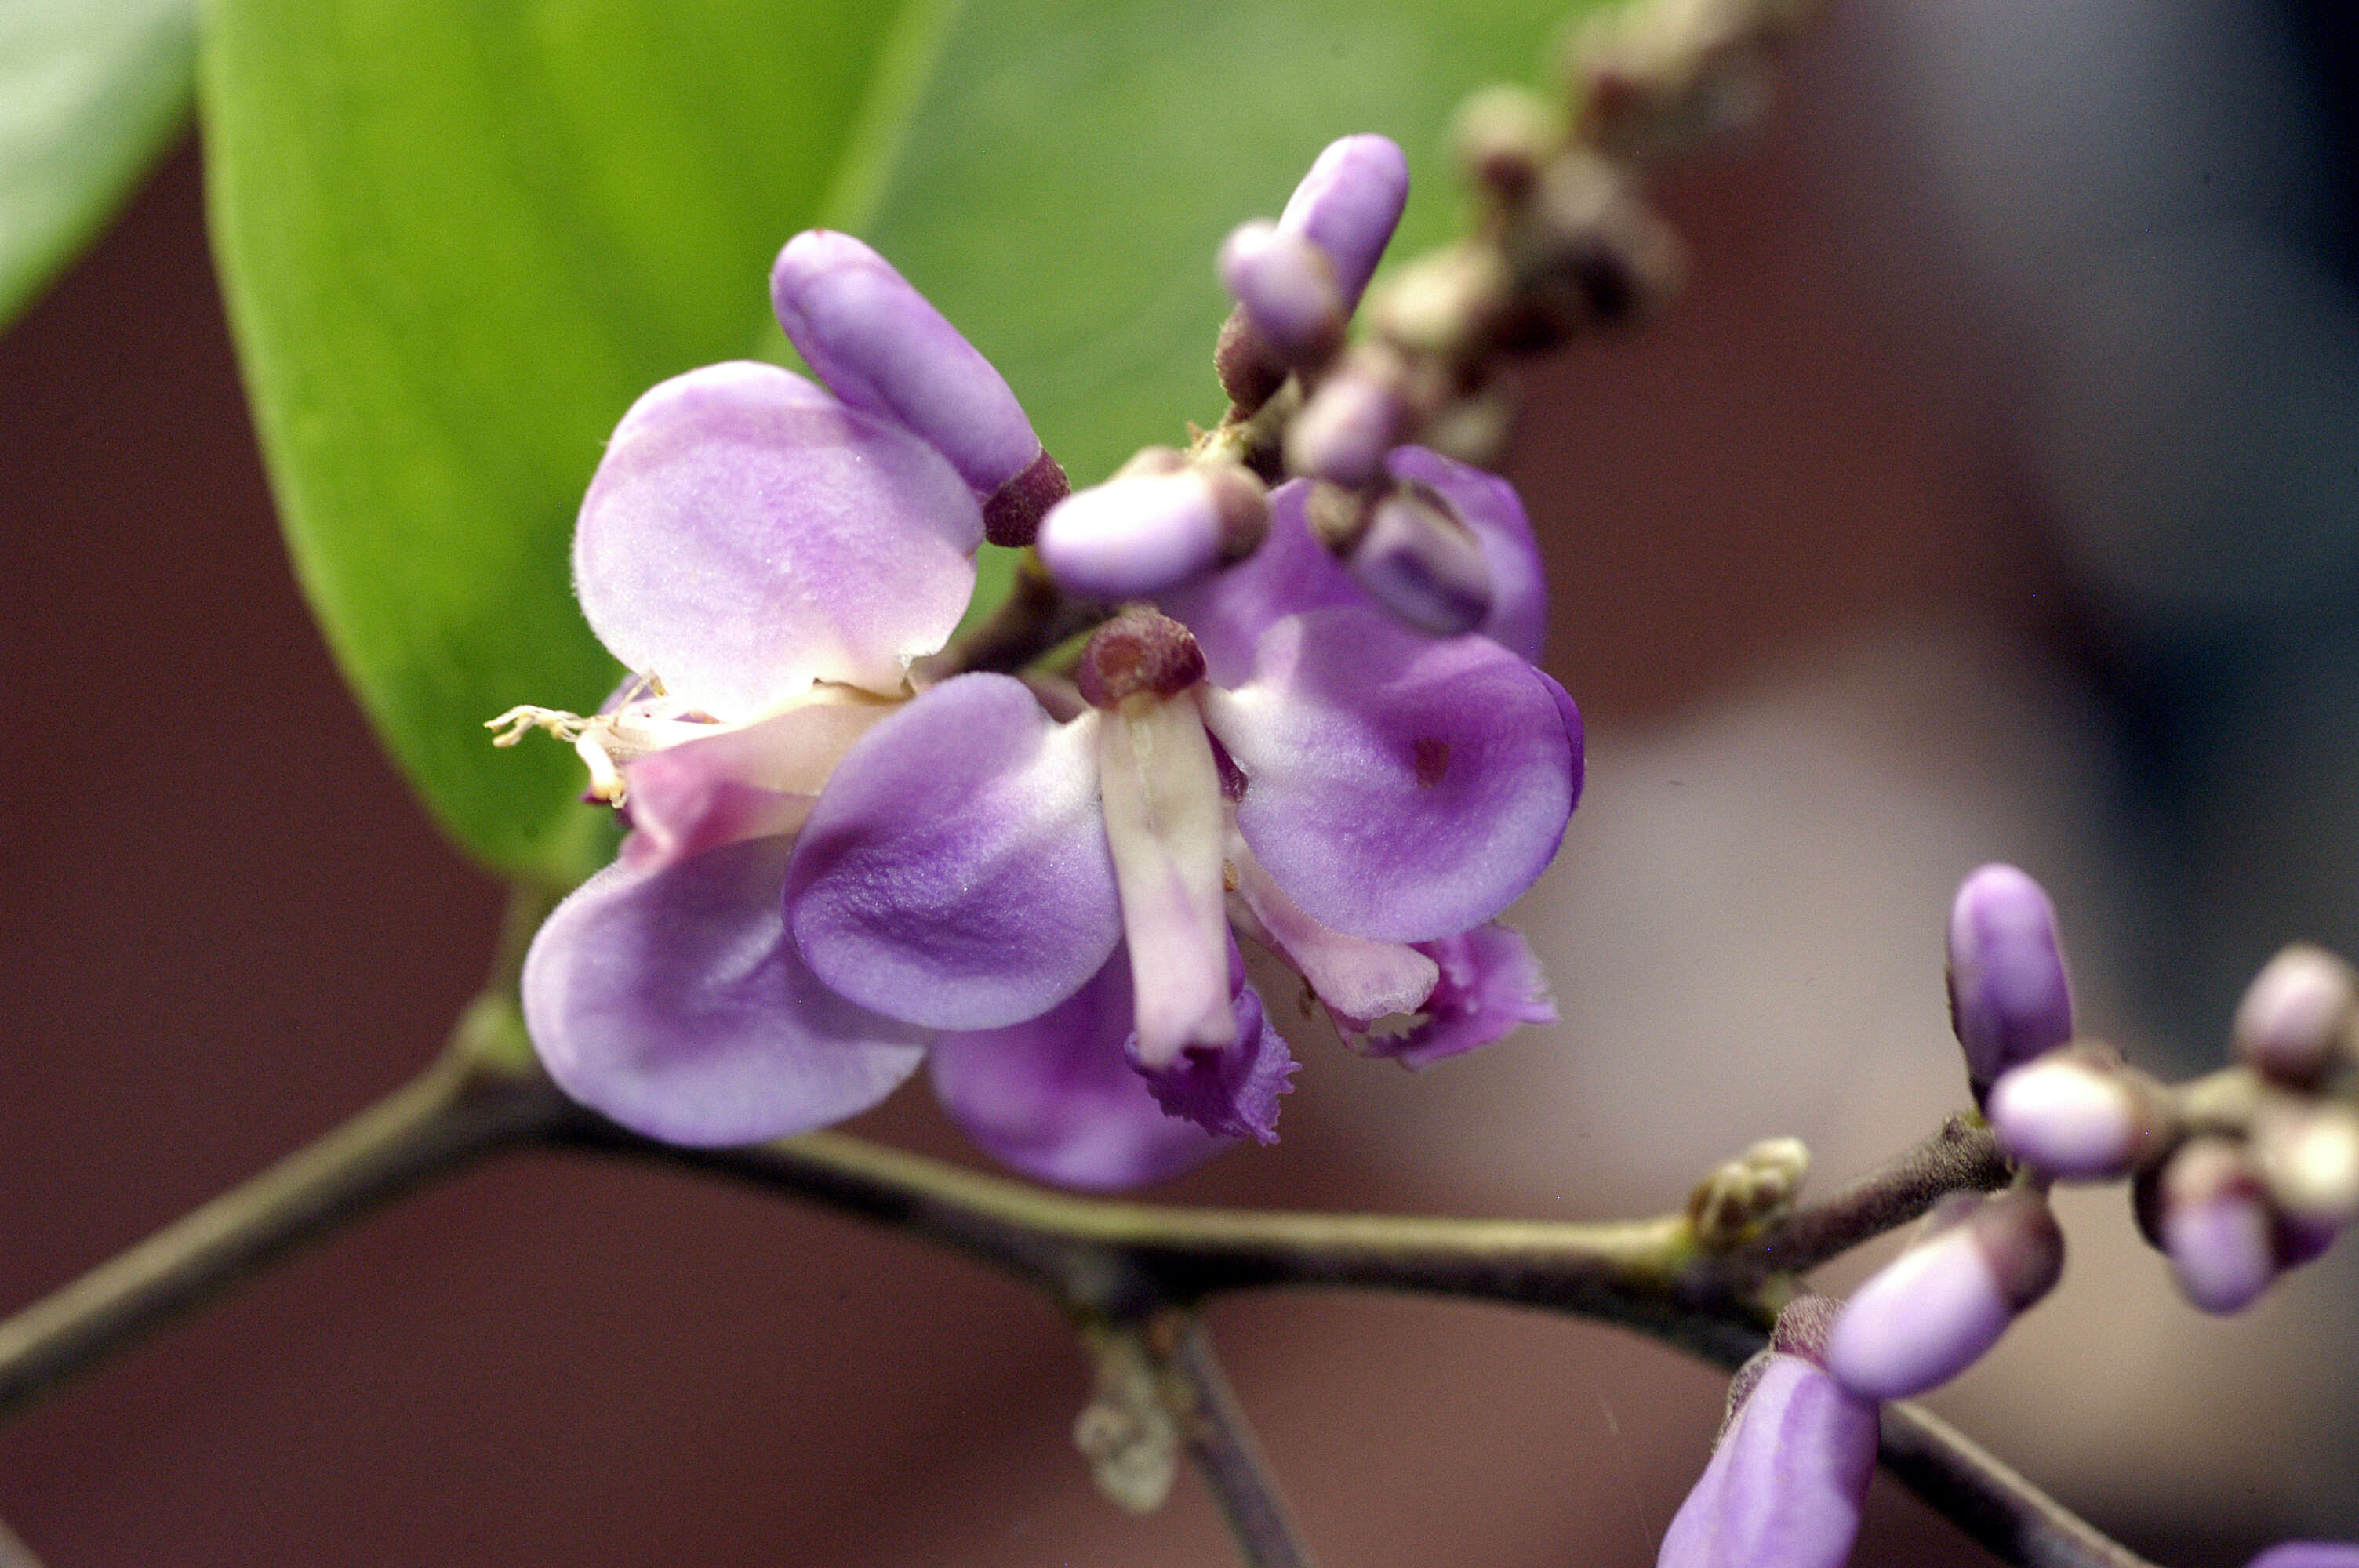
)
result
[(1491, 985), (1056, 1098), (1358, 981), (747, 782), (1786, 1482), (1927, 1316), (1419, 565), (1232, 1091), (1130, 538), (884, 350), (1290, 574), (2009, 998), (1348, 206), (1396, 786), (1517, 620), (673, 1003), (955, 872), (745, 536), (2308, 1554), (1287, 286), (1347, 429)]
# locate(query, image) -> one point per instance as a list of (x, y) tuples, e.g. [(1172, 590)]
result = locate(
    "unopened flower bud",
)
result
[(2308, 1155), (1012, 514), (2009, 998), (1446, 302), (1417, 560), (1745, 1193), (1592, 253), (1137, 535), (1502, 136), (2207, 1212), (1934, 1310), (884, 350), (1251, 371), (1345, 431), (1138, 652), (1348, 206), (1288, 288), (2294, 1014), (2077, 1114)]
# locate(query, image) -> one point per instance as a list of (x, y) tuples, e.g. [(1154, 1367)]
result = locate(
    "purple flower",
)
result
[(1789, 1477)]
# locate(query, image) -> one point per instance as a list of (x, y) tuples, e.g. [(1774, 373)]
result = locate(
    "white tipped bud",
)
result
[(2294, 1014), (1287, 286), (2074, 1116), (2307, 1154)]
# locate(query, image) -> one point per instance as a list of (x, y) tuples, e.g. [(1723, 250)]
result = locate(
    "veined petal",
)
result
[(1359, 980), (745, 537), (672, 1001), (1162, 802), (1397, 788), (1290, 574), (1491, 985), (744, 781), (884, 350), (1487, 505), (1232, 1090), (955, 870), (1056, 1098)]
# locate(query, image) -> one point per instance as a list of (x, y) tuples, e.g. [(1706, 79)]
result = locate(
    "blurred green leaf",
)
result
[(91, 91), (1061, 189), (458, 237)]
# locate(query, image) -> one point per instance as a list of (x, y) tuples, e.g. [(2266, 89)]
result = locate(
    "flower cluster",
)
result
[(847, 859), (2237, 1177)]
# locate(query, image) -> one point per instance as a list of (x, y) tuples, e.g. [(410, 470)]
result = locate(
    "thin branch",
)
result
[(445, 1118), (1961, 1156), (1221, 1443), (1989, 1501)]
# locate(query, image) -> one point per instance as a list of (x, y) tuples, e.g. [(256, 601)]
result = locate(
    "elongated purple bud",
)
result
[(1345, 430), (1348, 206), (1788, 1477), (2294, 1014), (1933, 1311), (2211, 1219), (1288, 288), (2009, 998), (2076, 1115), (1138, 535), (883, 349), (1420, 562)]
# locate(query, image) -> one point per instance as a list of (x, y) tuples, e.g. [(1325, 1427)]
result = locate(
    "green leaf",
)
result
[(458, 237), (1063, 189), (91, 92)]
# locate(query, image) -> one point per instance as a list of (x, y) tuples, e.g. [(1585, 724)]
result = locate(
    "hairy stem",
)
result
[(1221, 1443)]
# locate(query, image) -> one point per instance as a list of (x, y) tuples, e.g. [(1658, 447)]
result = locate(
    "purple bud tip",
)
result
[(2009, 998), (884, 350), (1139, 650), (1137, 537), (2214, 1226), (1012, 514), (2071, 1119), (1420, 562), (1287, 285), (2294, 1014), (1345, 430), (1348, 206), (1934, 1310), (2309, 1554)]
